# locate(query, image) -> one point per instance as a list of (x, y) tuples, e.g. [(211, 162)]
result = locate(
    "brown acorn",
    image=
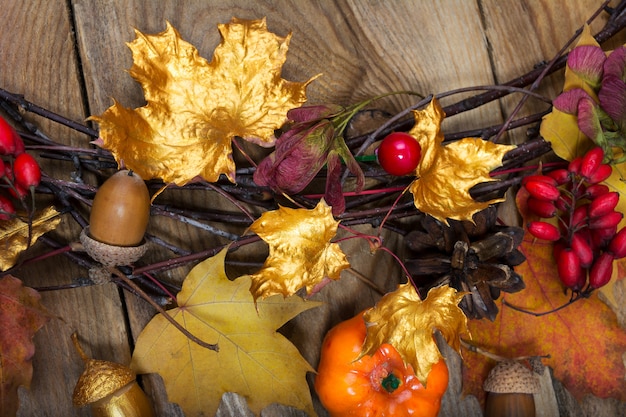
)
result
[(118, 221), (110, 389), (510, 387)]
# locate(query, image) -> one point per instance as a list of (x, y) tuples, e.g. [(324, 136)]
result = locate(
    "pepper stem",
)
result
[(390, 383)]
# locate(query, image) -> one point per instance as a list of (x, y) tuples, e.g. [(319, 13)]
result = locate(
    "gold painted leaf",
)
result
[(195, 108), (253, 359), (14, 235), (401, 319), (447, 173), (301, 253)]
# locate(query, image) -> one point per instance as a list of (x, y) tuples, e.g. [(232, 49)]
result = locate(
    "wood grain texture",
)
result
[(71, 57)]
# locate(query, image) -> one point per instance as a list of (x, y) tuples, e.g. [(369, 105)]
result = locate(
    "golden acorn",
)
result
[(118, 220), (110, 389), (510, 387)]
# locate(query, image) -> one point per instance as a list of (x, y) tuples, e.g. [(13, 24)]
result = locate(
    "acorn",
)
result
[(118, 220), (110, 389), (510, 387)]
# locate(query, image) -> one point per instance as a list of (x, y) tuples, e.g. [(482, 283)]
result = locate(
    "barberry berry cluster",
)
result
[(586, 241), (19, 171)]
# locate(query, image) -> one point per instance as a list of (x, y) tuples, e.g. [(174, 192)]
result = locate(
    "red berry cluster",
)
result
[(586, 241), (19, 171)]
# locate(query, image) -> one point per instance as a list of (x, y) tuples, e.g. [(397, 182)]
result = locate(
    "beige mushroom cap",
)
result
[(511, 377)]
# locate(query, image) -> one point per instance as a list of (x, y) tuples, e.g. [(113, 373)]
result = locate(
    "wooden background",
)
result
[(70, 57)]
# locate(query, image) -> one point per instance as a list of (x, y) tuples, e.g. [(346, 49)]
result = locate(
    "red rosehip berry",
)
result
[(6, 208), (591, 162), (7, 138), (608, 220), (603, 204), (602, 173), (596, 190), (582, 249), (541, 208), (542, 190), (538, 177), (574, 165), (399, 153), (601, 270), (26, 171), (571, 274), (617, 246), (600, 238), (543, 230), (561, 176)]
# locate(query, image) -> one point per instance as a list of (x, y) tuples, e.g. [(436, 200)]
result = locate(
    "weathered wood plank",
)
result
[(39, 62), (361, 48)]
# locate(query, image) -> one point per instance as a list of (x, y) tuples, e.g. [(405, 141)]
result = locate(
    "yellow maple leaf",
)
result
[(14, 235), (253, 359), (407, 323), (447, 173), (301, 254), (195, 107)]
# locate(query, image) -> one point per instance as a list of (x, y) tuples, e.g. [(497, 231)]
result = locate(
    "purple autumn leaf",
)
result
[(588, 119), (615, 64), (612, 96), (587, 62), (567, 102)]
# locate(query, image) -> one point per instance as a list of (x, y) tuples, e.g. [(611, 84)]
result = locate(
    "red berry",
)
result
[(6, 208), (19, 145), (570, 272), (7, 138), (603, 172), (591, 161), (561, 176), (603, 204), (541, 208), (617, 246), (564, 202), (601, 237), (543, 230), (608, 220), (582, 249), (537, 177), (542, 190), (26, 170), (579, 217), (596, 190), (574, 165), (601, 270), (399, 153)]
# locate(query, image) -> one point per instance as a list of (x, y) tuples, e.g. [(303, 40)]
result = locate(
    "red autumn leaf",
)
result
[(21, 315), (584, 340)]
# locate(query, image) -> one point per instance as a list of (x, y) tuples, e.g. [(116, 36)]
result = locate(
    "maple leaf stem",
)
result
[(116, 272)]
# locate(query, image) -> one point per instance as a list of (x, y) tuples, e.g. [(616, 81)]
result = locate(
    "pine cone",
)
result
[(474, 258)]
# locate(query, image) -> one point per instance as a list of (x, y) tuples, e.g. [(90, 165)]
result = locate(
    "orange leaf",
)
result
[(21, 315), (584, 340), (195, 107)]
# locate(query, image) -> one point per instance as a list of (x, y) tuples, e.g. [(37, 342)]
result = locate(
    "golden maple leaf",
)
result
[(407, 323), (14, 235), (195, 107), (301, 254), (446, 173), (253, 359)]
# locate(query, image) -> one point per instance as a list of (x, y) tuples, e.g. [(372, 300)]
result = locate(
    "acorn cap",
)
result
[(100, 379), (109, 255), (511, 377)]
